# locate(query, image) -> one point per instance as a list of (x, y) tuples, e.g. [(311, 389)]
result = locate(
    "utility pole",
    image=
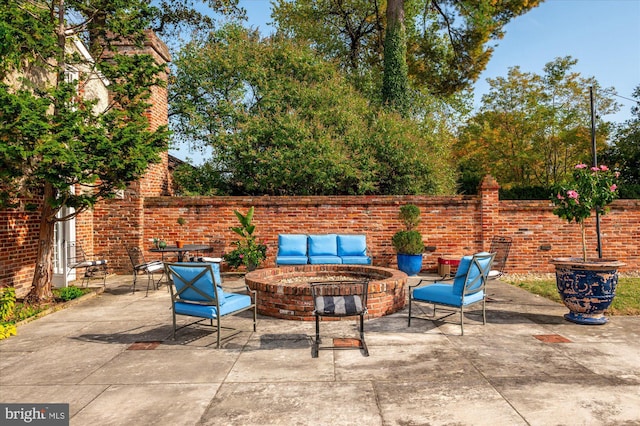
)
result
[(595, 160)]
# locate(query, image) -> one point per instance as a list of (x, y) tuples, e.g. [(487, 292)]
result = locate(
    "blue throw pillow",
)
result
[(352, 245)]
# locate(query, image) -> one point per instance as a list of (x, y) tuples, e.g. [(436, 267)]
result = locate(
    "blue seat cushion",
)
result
[(323, 245), (204, 284), (356, 260), (444, 294), (291, 260), (292, 245), (352, 245), (232, 302), (326, 259)]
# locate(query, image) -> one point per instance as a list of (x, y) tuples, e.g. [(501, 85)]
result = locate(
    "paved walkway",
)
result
[(111, 358)]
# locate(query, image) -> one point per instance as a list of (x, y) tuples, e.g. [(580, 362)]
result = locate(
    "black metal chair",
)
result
[(77, 258), (141, 266), (501, 246), (338, 299)]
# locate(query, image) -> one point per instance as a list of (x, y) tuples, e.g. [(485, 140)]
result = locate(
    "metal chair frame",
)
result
[(500, 245), (471, 287), (142, 266), (78, 259), (209, 297), (337, 293)]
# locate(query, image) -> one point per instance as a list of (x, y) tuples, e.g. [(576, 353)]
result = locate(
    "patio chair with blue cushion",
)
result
[(196, 292), (292, 249), (338, 299), (467, 289)]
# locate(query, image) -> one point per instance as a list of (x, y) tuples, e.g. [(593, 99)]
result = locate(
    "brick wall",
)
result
[(18, 247), (453, 225)]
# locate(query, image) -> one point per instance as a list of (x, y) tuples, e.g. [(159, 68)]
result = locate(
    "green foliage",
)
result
[(7, 306), (448, 42), (408, 242), (395, 82), (56, 129), (282, 121), (7, 302), (624, 153), (525, 193), (248, 252), (591, 189), (410, 215), (70, 293), (531, 129)]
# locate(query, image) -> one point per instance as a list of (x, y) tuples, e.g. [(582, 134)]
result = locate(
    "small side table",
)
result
[(447, 265)]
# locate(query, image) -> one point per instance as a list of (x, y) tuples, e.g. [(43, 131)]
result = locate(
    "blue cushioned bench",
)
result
[(302, 249)]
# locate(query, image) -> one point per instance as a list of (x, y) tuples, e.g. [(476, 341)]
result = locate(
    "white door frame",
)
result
[(64, 232)]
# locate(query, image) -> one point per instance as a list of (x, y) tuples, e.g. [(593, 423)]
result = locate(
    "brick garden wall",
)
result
[(451, 225)]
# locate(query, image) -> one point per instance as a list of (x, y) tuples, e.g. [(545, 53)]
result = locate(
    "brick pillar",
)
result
[(489, 209), (120, 222)]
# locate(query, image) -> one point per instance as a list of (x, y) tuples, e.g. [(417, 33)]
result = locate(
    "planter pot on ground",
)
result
[(586, 288), (410, 264)]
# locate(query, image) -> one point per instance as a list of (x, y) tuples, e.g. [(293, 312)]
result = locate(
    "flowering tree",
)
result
[(591, 188)]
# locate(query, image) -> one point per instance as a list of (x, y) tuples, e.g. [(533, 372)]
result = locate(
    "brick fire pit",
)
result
[(285, 292)]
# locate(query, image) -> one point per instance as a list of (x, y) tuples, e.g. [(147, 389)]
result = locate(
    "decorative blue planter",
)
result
[(410, 264), (586, 288)]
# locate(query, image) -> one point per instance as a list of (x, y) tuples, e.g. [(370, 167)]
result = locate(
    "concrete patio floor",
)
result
[(112, 359)]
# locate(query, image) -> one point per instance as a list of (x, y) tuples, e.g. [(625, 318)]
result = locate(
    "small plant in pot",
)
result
[(248, 252), (181, 221), (586, 286), (408, 242)]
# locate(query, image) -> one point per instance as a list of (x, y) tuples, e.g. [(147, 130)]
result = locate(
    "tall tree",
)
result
[(55, 136), (282, 121), (532, 129), (624, 153), (447, 41)]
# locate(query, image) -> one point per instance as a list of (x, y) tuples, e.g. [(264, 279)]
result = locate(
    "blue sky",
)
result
[(603, 35)]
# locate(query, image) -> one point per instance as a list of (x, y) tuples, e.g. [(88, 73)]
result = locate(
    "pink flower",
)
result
[(560, 197), (572, 194), (617, 175), (604, 168), (581, 166), (241, 256), (613, 187), (595, 169)]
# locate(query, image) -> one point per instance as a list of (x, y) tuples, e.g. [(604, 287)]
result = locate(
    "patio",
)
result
[(112, 359)]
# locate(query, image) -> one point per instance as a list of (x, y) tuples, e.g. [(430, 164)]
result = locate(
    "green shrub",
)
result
[(7, 305), (408, 242), (70, 293)]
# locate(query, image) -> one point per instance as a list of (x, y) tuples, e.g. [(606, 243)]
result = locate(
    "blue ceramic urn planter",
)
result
[(410, 264), (586, 288)]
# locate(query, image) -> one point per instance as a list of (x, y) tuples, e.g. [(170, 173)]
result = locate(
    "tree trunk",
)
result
[(395, 81), (43, 273)]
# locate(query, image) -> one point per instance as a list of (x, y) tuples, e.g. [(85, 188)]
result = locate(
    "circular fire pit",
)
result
[(285, 293)]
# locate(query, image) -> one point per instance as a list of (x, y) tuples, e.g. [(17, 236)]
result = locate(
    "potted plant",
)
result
[(408, 242), (248, 252), (181, 221), (587, 286)]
